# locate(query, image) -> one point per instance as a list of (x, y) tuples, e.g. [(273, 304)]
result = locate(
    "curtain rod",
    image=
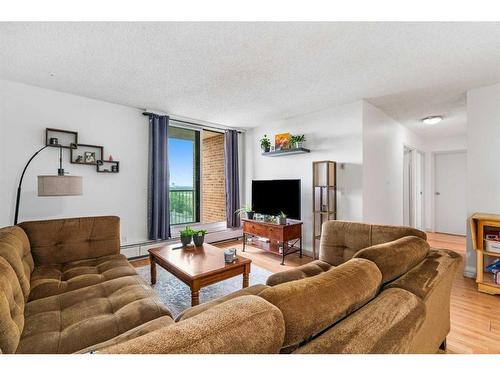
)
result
[(193, 123)]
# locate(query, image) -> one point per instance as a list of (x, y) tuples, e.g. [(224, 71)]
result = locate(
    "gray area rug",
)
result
[(177, 296)]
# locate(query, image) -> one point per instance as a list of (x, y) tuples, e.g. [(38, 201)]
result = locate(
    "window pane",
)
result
[(183, 175)]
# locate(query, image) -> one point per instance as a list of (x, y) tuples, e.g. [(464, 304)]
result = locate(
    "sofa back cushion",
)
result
[(397, 257), (315, 303), (68, 240), (11, 308), (15, 250), (340, 240)]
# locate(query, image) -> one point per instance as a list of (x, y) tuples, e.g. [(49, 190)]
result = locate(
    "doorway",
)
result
[(450, 210), (413, 188)]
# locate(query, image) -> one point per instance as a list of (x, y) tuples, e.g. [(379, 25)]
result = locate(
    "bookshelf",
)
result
[(324, 197), (480, 222)]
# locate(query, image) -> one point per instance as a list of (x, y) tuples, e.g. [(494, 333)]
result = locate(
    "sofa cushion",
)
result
[(49, 280), (75, 320), (387, 324), (67, 240), (340, 240), (397, 257), (15, 249), (243, 325), (315, 303), (306, 270), (11, 308), (195, 310), (133, 333)]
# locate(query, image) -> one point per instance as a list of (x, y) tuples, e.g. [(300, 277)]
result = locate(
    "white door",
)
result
[(450, 190)]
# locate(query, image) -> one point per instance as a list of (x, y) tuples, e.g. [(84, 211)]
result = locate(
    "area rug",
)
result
[(177, 296)]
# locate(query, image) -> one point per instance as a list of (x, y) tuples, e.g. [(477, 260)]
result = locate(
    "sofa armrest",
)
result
[(244, 325), (68, 240), (307, 270)]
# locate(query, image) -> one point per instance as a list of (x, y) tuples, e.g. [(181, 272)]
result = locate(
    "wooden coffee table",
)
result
[(197, 266)]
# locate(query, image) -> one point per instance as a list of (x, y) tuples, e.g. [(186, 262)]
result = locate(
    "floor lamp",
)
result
[(51, 186)]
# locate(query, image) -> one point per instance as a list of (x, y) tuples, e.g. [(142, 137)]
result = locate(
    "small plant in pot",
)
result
[(247, 209), (281, 218), (265, 143), (199, 237), (186, 236), (297, 140)]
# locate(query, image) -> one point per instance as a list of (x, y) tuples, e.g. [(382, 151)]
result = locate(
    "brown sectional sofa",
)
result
[(65, 288)]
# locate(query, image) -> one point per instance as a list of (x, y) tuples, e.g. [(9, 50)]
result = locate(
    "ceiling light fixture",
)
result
[(432, 120)]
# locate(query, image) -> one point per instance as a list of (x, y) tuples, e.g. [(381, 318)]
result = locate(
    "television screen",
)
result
[(270, 197)]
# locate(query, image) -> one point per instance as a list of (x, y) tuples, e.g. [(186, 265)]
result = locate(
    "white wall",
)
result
[(25, 113), (383, 143), (332, 134), (483, 154)]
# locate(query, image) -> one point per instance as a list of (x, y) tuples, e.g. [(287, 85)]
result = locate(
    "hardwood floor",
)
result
[(475, 317)]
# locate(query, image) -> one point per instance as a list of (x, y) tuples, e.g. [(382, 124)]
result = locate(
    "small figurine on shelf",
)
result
[(110, 157)]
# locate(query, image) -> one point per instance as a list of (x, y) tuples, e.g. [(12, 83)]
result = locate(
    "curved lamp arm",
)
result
[(18, 198)]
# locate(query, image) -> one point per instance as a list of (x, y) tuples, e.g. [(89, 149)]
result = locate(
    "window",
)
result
[(184, 166)]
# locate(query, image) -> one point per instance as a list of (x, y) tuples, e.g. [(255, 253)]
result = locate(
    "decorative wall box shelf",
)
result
[(86, 154), (288, 151), (65, 138), (108, 166)]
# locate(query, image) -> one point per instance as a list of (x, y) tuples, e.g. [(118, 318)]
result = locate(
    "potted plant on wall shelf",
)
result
[(247, 209), (186, 236), (281, 218), (199, 237), (265, 143), (297, 140)]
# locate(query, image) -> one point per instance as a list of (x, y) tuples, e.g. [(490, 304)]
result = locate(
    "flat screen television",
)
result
[(270, 197)]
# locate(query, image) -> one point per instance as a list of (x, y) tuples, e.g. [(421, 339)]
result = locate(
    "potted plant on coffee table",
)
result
[(186, 236), (265, 143), (281, 218), (247, 209), (199, 237)]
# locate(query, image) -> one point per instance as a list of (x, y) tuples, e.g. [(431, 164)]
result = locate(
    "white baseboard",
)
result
[(470, 272)]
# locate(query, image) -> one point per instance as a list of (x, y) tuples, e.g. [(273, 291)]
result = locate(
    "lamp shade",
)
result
[(53, 186)]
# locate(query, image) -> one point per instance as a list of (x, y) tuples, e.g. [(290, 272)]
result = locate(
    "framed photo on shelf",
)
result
[(89, 157), (282, 141)]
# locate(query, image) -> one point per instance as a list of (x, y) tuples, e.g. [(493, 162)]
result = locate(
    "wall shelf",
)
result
[(287, 151), (82, 150), (65, 138), (108, 166)]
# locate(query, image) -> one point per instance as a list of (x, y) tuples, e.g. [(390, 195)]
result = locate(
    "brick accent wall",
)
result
[(213, 189)]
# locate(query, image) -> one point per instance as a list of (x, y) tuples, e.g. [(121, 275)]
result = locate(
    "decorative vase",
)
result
[(297, 144), (281, 220), (266, 149), (198, 239), (250, 215), (186, 240)]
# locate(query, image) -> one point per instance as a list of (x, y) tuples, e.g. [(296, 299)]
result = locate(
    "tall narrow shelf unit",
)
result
[(479, 224), (324, 197)]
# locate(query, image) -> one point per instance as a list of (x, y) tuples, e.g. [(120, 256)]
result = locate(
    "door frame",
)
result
[(434, 154), (413, 178)]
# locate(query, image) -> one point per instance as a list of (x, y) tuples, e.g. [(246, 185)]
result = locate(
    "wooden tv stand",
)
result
[(291, 231)]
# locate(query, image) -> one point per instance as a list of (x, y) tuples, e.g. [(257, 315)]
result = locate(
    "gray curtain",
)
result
[(158, 179), (232, 178)]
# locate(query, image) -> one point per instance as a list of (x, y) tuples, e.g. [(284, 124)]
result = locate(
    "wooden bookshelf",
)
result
[(478, 223)]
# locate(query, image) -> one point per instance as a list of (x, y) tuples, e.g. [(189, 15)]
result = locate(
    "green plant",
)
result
[(200, 232), (297, 138), (282, 215), (247, 208), (186, 232), (265, 142)]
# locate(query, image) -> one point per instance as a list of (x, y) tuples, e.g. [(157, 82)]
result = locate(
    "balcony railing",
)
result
[(182, 206)]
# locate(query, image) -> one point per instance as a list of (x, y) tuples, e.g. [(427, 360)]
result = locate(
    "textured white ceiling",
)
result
[(246, 74)]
